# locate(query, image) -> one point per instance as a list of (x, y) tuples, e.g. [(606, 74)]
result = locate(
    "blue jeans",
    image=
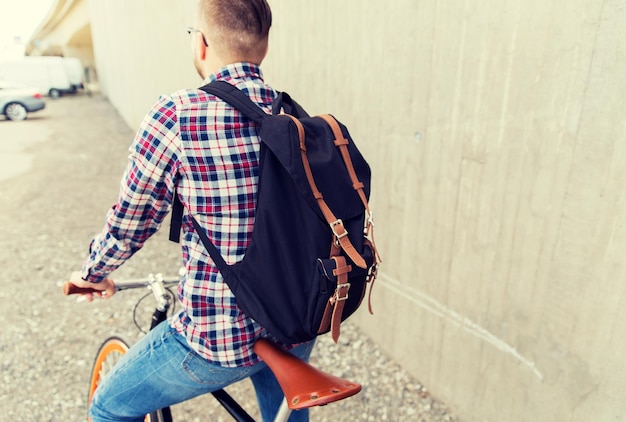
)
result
[(162, 370)]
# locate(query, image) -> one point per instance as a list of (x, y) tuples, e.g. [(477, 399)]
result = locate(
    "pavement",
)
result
[(59, 174)]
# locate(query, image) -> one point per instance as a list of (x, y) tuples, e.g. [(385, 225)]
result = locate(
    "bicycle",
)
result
[(303, 385)]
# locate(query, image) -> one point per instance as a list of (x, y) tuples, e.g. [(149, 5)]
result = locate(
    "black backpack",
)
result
[(311, 256)]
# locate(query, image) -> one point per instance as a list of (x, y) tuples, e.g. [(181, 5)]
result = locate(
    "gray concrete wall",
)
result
[(496, 135), (142, 50)]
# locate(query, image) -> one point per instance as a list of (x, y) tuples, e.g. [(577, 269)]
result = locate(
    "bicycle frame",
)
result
[(163, 303), (324, 388)]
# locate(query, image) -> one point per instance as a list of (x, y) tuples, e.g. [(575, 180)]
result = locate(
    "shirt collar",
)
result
[(241, 70)]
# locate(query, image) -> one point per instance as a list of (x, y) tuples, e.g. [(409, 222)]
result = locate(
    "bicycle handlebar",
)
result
[(70, 288)]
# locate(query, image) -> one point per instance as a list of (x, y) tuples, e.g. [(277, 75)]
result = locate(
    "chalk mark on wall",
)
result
[(436, 308)]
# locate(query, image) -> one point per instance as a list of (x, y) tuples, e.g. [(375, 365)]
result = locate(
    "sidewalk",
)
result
[(59, 174)]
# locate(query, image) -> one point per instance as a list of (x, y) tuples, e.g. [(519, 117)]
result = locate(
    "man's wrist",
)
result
[(87, 276)]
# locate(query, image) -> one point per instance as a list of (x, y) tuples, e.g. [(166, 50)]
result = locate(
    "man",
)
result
[(195, 146)]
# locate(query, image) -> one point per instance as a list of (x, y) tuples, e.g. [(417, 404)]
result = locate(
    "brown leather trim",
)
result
[(334, 222), (325, 324), (342, 144), (340, 296)]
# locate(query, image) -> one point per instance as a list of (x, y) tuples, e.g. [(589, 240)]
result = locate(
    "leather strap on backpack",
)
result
[(336, 225), (342, 143), (334, 307)]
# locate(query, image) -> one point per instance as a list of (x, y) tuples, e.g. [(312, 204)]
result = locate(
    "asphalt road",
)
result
[(59, 174)]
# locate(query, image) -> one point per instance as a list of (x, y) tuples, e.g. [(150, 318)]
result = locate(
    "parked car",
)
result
[(16, 100)]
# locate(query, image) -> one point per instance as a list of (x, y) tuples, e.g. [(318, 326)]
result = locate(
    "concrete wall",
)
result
[(496, 134), (142, 50)]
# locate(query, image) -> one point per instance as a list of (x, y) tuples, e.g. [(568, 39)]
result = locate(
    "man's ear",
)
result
[(202, 48)]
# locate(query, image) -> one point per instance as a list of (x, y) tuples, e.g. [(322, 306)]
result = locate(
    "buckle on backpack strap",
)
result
[(340, 288), (343, 230)]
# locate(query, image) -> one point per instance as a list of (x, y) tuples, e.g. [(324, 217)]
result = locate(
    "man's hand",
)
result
[(105, 289)]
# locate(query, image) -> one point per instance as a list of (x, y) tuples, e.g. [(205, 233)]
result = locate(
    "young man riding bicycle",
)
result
[(207, 152)]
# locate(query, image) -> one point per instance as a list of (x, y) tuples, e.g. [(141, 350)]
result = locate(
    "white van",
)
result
[(47, 74), (75, 73)]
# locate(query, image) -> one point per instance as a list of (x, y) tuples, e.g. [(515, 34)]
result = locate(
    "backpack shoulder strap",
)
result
[(283, 103), (233, 96), (176, 224), (176, 221), (287, 105), (241, 102)]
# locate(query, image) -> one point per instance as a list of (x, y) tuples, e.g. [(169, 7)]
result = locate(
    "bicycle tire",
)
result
[(108, 354)]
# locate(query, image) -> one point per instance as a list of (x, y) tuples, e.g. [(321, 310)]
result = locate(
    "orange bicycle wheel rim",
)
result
[(109, 347), (112, 345)]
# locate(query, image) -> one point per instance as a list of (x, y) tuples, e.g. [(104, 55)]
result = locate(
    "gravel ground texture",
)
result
[(59, 174)]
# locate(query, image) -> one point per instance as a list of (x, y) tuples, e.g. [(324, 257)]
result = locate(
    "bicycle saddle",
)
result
[(303, 385)]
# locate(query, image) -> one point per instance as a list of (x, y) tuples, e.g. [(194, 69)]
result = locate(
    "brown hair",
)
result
[(239, 29)]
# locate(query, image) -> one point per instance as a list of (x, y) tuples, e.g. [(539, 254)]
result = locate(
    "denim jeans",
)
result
[(162, 370)]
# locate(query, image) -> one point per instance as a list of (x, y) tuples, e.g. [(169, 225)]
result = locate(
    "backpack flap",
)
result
[(326, 164), (273, 134)]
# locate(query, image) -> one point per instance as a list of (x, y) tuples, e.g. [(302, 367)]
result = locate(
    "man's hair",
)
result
[(239, 28)]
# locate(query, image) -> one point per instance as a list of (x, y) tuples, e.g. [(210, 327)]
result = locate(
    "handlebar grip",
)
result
[(72, 289)]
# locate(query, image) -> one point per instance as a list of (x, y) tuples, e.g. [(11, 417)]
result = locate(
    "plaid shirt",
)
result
[(194, 144)]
